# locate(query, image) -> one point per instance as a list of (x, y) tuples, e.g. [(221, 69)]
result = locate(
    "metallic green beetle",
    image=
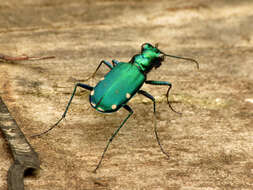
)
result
[(120, 84)]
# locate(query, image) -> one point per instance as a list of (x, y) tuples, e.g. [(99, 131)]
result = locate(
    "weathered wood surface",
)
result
[(24, 156), (210, 144)]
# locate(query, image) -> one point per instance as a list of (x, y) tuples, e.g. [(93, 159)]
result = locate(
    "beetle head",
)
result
[(158, 56), (153, 54), (151, 57)]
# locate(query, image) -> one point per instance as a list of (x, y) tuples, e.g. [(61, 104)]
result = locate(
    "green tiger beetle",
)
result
[(121, 83)]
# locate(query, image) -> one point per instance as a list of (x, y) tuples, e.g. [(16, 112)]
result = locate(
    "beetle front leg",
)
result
[(152, 82), (85, 86), (149, 96)]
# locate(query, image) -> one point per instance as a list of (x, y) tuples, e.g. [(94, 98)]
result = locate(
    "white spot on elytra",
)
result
[(93, 104), (128, 95), (114, 106), (102, 78), (100, 109), (92, 93)]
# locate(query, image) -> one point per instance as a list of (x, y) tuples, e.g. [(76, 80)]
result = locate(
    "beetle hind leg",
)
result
[(85, 86), (114, 134)]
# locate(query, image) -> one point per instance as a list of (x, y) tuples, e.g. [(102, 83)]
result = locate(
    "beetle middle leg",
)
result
[(114, 134), (85, 86), (149, 96), (108, 64), (152, 82)]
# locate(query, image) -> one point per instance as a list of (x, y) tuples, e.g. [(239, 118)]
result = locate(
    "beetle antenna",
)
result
[(185, 58)]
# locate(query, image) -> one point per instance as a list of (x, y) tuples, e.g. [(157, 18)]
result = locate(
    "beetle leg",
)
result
[(109, 65), (149, 96), (85, 86), (152, 82), (114, 62), (114, 134)]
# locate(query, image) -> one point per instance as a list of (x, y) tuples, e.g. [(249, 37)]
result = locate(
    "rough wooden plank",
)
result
[(24, 155), (210, 144)]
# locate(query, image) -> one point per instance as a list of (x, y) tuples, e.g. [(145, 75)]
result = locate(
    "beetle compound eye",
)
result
[(146, 46), (143, 47)]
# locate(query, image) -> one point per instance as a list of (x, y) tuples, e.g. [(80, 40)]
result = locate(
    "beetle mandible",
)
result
[(121, 83)]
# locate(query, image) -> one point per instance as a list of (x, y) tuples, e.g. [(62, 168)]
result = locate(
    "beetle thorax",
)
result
[(147, 60)]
